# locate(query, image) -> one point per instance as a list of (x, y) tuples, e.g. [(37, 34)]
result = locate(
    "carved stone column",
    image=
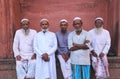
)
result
[(6, 33), (119, 31), (113, 23)]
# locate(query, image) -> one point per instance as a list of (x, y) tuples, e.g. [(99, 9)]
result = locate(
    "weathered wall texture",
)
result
[(11, 11), (55, 10)]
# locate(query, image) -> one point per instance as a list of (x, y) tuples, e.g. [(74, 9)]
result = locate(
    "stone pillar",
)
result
[(9, 23), (119, 30), (6, 27), (113, 23)]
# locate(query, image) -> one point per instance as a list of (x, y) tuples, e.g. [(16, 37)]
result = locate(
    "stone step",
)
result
[(7, 69)]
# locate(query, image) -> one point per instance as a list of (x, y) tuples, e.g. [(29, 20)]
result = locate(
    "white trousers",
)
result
[(65, 67), (25, 68)]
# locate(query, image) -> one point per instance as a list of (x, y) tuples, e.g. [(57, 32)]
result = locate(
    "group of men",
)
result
[(35, 52)]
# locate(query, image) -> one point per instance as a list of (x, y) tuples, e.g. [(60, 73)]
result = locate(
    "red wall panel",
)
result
[(55, 10)]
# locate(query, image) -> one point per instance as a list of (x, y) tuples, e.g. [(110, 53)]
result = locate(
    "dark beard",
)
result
[(63, 30), (77, 31)]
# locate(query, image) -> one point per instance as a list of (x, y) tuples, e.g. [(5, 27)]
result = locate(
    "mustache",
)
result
[(26, 32), (63, 30)]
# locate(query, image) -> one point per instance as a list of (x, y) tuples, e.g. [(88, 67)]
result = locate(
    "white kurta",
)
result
[(100, 43), (80, 57), (23, 46), (45, 43)]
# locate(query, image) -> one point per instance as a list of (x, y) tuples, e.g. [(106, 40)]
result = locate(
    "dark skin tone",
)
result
[(77, 24), (25, 26), (98, 24), (63, 27), (26, 78), (45, 25), (65, 57)]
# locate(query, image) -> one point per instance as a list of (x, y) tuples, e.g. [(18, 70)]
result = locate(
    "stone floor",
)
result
[(7, 69)]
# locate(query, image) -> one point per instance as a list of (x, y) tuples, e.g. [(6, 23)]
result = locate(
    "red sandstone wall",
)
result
[(11, 11), (8, 20), (5, 22), (55, 10)]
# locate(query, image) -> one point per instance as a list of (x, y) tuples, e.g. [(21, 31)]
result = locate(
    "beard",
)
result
[(63, 30), (26, 32), (78, 30), (98, 30)]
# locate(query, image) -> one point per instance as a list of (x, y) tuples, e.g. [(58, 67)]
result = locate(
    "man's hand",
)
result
[(101, 55), (76, 45), (45, 57), (18, 57), (86, 41), (65, 57), (33, 56), (94, 54)]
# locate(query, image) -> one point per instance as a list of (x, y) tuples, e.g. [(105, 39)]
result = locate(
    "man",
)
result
[(78, 43), (100, 44), (63, 51), (45, 45), (23, 51)]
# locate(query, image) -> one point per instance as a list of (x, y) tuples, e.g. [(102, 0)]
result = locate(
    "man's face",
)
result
[(77, 24), (98, 23), (25, 25), (63, 26), (44, 25)]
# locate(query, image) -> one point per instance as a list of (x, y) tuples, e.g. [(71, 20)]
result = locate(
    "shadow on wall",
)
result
[(112, 53)]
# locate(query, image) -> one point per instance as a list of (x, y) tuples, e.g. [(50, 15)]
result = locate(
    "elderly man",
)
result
[(100, 44), (45, 45), (78, 43), (63, 51), (23, 51)]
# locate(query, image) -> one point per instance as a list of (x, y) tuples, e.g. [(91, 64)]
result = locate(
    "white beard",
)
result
[(98, 30), (77, 30), (26, 32)]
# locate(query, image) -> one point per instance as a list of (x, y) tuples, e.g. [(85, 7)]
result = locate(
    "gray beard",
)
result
[(78, 30), (98, 30), (26, 32)]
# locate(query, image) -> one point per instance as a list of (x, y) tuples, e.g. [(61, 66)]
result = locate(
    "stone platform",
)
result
[(7, 69)]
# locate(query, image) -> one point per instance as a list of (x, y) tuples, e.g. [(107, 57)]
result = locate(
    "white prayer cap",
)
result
[(99, 18), (63, 20), (24, 19), (77, 18), (44, 19)]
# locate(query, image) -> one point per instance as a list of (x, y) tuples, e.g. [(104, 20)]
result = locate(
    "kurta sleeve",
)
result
[(107, 44), (36, 46), (16, 44), (90, 44), (54, 47), (33, 41), (70, 41), (88, 39), (58, 49)]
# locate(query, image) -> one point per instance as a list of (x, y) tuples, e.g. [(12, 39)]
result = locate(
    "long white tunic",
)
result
[(23, 46), (45, 43), (100, 43)]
